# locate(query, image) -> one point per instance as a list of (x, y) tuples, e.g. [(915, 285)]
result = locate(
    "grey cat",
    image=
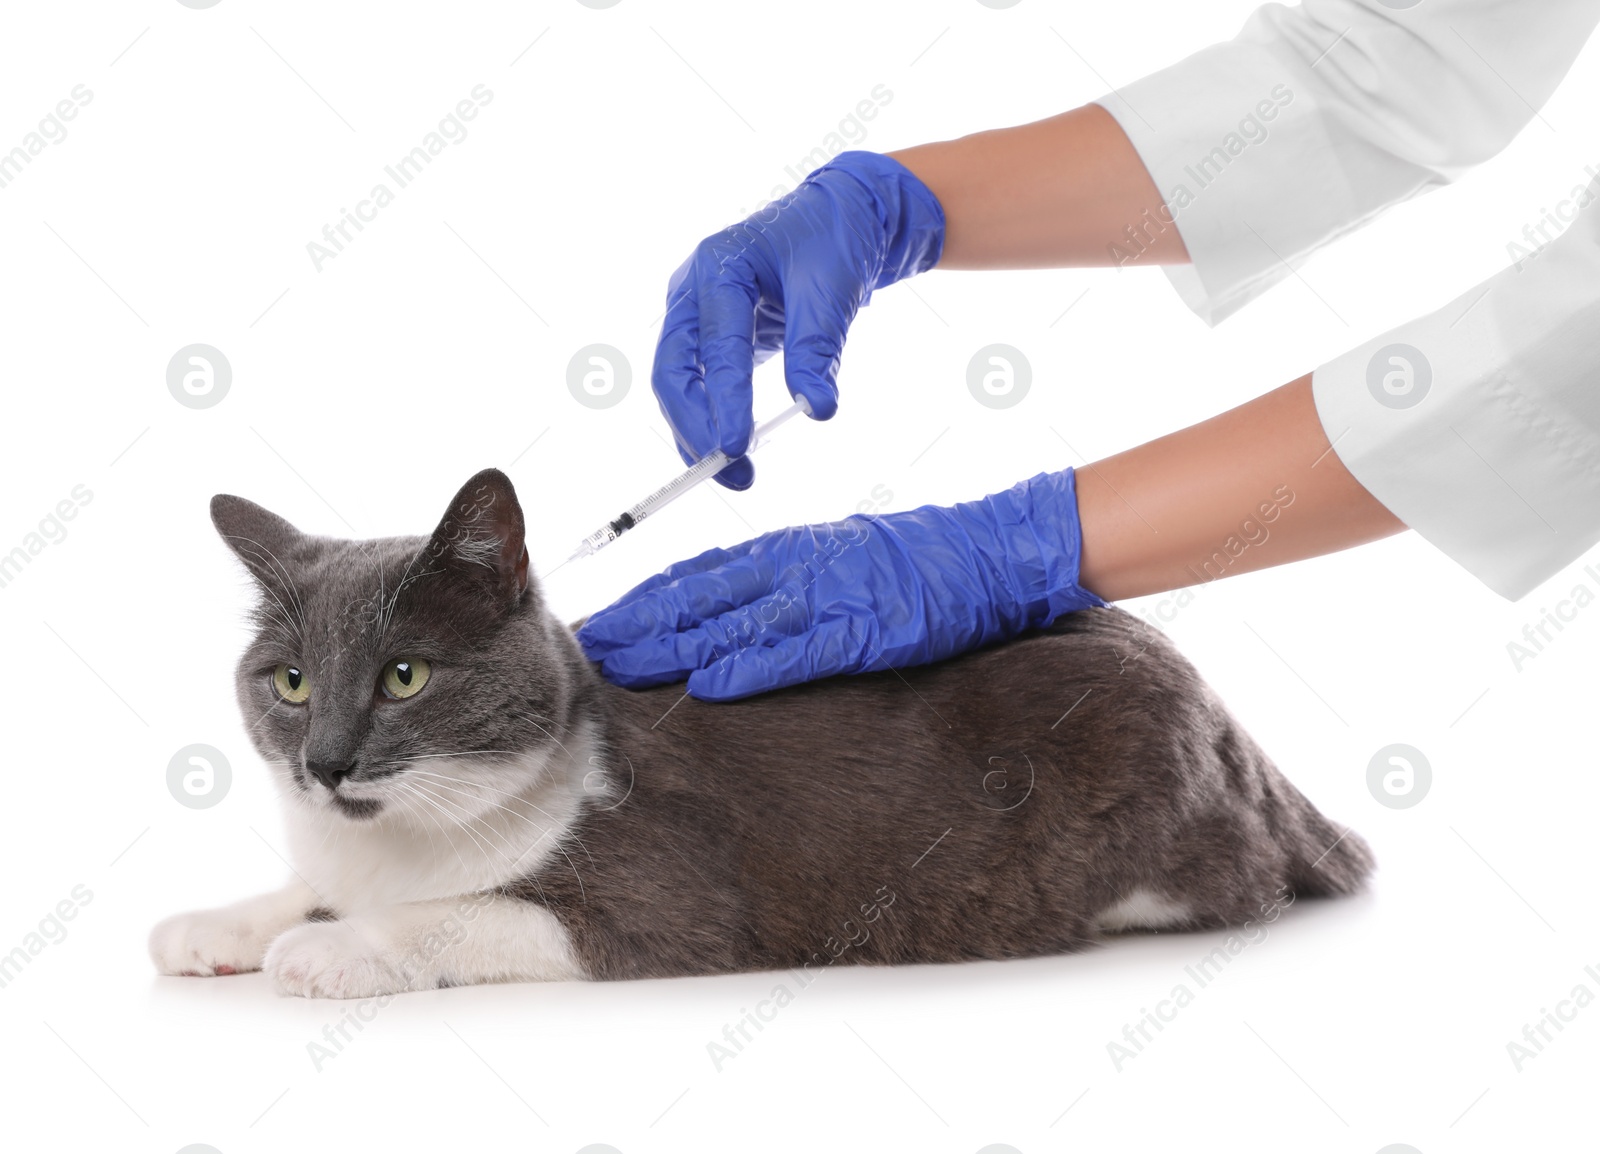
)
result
[(468, 801)]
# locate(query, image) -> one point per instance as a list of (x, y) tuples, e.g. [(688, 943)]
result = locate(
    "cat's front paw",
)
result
[(333, 960), (208, 943)]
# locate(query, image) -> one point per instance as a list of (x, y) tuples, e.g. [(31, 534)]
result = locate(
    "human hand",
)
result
[(866, 593), (792, 276)]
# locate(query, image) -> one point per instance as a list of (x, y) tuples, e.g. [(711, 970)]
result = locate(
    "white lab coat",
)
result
[(1479, 425)]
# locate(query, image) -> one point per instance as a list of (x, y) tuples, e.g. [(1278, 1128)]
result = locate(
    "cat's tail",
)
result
[(1326, 859)]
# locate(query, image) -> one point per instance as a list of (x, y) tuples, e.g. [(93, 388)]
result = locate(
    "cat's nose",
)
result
[(328, 773)]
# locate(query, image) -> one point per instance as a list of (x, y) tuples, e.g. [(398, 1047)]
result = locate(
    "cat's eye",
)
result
[(292, 684), (403, 678)]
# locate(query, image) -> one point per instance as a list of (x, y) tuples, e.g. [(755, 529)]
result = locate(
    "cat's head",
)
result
[(387, 671)]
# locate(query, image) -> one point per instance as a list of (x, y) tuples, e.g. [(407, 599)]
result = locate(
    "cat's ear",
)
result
[(481, 538), (264, 541)]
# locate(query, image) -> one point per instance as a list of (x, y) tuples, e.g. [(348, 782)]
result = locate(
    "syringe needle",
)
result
[(708, 466)]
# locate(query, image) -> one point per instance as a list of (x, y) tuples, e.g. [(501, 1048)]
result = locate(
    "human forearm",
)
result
[(920, 585), (1254, 487), (1050, 194)]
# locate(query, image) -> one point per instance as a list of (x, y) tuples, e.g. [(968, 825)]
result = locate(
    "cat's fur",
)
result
[(520, 818)]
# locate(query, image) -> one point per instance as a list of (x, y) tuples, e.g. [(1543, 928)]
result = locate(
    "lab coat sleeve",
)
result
[(1479, 425), (1314, 119)]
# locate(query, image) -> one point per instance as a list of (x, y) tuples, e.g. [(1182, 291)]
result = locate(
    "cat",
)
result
[(468, 801)]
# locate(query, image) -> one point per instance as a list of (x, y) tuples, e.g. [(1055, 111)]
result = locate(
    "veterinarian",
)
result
[(1478, 425)]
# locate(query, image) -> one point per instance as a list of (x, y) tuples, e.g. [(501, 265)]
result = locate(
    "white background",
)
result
[(178, 210)]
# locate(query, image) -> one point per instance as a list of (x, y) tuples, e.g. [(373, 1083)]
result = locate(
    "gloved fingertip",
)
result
[(702, 687), (601, 647), (821, 396), (811, 370), (619, 670), (601, 633), (729, 679), (824, 401), (591, 644), (738, 475)]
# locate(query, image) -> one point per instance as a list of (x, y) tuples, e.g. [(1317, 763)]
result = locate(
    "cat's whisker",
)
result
[(535, 723), (411, 808), (480, 785), (277, 616), (467, 824), (433, 804), (298, 623), (371, 552), (284, 616), (506, 793), (523, 817), (267, 714), (284, 771), (388, 614), (540, 719), (423, 809), (516, 862), (503, 793), (460, 753)]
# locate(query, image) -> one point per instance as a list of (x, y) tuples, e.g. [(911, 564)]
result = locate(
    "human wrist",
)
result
[(908, 213), (1040, 542)]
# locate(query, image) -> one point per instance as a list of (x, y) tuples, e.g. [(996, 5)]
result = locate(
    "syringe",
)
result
[(708, 466)]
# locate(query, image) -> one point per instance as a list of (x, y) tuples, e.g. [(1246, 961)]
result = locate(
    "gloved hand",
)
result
[(792, 277), (866, 593)]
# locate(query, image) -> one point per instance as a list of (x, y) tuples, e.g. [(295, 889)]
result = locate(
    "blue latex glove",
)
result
[(792, 276), (862, 594)]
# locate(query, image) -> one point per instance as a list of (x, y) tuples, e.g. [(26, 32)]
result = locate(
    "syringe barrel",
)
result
[(712, 463)]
